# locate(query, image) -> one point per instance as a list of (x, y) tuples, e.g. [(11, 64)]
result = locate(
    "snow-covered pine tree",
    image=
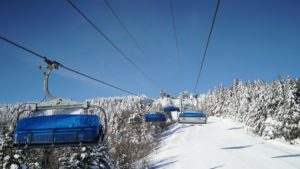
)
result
[(270, 110), (291, 115)]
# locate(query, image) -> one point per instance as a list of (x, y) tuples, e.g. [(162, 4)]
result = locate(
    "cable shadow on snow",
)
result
[(219, 166), (210, 122), (235, 128), (163, 163), (236, 147), (161, 138), (182, 126), (286, 156), (171, 131)]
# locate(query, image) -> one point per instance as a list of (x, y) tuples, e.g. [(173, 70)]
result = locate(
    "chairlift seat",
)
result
[(192, 117), (156, 116), (171, 108), (58, 129), (192, 114)]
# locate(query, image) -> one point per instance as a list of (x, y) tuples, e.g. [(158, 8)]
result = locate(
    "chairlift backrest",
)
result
[(171, 108), (192, 117), (155, 117), (63, 129), (58, 129), (192, 114)]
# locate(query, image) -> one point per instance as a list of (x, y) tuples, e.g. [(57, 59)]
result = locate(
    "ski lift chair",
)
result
[(60, 129), (171, 108), (192, 118), (66, 128), (155, 117)]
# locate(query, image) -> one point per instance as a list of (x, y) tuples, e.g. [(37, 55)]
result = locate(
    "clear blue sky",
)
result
[(252, 39)]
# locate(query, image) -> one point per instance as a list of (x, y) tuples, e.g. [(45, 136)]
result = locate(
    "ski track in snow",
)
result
[(221, 144)]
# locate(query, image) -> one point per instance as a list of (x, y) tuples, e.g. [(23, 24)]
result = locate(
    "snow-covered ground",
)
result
[(222, 144)]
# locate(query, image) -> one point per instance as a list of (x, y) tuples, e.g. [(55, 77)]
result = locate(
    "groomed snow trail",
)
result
[(221, 144)]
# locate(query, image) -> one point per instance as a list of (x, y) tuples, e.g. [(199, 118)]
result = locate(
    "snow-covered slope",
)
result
[(221, 143)]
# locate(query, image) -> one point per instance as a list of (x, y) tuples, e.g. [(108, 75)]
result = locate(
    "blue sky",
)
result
[(252, 39)]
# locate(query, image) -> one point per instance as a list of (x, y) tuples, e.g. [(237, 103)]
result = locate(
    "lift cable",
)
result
[(124, 27), (113, 44), (65, 67), (175, 32), (206, 46)]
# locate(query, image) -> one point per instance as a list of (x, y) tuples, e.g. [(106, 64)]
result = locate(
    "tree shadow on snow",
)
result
[(163, 163), (235, 128), (236, 147), (285, 156)]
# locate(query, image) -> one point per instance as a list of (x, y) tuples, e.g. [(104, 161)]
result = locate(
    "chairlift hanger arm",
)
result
[(53, 63), (46, 80)]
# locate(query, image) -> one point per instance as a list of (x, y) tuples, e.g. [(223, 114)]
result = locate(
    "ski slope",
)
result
[(221, 144)]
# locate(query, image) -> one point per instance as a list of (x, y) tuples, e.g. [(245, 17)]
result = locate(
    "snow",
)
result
[(14, 166), (17, 156), (221, 143)]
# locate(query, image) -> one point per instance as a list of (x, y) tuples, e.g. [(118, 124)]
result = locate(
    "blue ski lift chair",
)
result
[(192, 118), (37, 129), (58, 129), (171, 108), (155, 117)]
